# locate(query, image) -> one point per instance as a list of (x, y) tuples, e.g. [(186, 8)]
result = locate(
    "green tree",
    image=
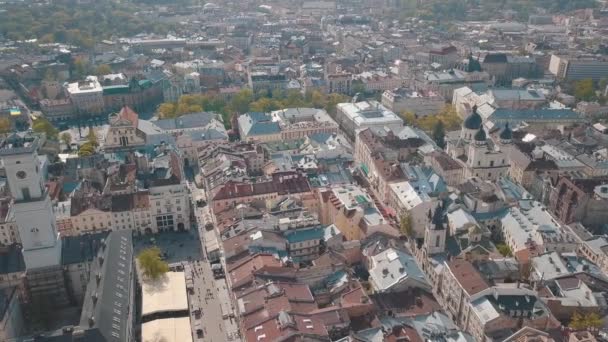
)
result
[(278, 94), (584, 90), (317, 99), (66, 138), (333, 100), (577, 321), (167, 110), (71, 23), (81, 68), (86, 149), (151, 263), (409, 118), (5, 125), (447, 115), (294, 99), (92, 137), (103, 69), (406, 225), (588, 321), (504, 250), (42, 125), (439, 134), (594, 321), (263, 105), (240, 102)]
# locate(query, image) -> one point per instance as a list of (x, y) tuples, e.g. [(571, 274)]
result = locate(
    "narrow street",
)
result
[(211, 295)]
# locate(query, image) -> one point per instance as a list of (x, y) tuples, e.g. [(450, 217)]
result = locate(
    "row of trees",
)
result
[(80, 25), (246, 101), (447, 116), (445, 10)]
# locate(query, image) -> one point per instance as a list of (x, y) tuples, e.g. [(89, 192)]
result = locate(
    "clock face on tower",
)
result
[(21, 174)]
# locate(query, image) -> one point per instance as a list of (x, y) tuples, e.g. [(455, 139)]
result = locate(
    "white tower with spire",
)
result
[(32, 206)]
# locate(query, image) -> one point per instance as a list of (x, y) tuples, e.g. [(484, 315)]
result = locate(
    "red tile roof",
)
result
[(468, 277), (128, 114), (241, 273), (281, 183), (295, 325)]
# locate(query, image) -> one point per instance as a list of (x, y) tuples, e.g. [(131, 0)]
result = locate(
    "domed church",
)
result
[(481, 156)]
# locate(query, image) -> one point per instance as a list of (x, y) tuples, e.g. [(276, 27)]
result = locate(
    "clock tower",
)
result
[(32, 208)]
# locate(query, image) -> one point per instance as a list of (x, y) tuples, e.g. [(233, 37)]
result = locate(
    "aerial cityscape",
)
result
[(304, 171)]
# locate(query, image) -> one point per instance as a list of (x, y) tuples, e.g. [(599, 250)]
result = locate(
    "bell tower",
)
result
[(435, 232), (32, 206)]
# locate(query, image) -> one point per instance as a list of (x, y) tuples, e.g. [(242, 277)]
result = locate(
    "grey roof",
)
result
[(517, 94), (535, 115), (108, 297), (193, 120), (256, 123), (392, 266), (80, 248), (209, 134)]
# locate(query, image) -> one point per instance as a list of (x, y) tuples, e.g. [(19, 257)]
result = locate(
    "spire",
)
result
[(437, 220)]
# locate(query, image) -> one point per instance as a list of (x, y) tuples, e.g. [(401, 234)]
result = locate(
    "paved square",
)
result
[(178, 246)]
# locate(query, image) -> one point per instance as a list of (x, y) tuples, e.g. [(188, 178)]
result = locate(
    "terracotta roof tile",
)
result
[(468, 277)]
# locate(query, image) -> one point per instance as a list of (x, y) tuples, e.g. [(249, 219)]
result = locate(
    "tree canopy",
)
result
[(92, 137), (42, 125), (5, 125), (504, 250), (66, 138), (86, 149), (581, 321), (245, 101), (103, 69), (439, 134), (448, 117), (405, 224), (584, 90), (80, 25), (151, 263), (446, 10)]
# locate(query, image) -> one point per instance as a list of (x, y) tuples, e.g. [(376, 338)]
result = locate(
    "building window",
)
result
[(164, 221), (26, 193), (437, 241)]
